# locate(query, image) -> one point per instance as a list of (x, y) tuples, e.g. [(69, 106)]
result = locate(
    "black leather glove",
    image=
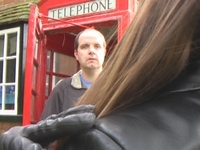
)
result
[(12, 140), (67, 123)]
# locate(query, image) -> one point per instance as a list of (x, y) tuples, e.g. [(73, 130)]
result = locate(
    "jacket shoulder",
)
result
[(64, 82), (93, 139), (169, 122)]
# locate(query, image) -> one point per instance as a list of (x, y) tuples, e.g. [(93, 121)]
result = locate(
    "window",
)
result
[(59, 66), (9, 68)]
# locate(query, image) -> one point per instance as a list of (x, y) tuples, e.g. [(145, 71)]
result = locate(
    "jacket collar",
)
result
[(76, 81), (188, 80)]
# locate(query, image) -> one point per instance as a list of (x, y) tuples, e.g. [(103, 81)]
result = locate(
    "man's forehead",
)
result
[(91, 33), (91, 38)]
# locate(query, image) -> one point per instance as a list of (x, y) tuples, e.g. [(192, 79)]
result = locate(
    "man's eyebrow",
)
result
[(84, 44)]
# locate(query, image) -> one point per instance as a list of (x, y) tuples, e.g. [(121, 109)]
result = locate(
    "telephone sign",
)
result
[(82, 8)]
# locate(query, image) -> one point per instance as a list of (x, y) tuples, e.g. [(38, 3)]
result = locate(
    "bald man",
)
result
[(89, 51)]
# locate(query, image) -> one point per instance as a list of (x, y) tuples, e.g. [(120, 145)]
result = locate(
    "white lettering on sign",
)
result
[(83, 8)]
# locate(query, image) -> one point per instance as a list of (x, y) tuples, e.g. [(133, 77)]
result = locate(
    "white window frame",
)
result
[(4, 58)]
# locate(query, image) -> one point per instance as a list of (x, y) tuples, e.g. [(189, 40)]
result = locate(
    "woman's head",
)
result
[(153, 52)]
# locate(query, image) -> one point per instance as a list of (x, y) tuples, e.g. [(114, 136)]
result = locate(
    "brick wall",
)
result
[(4, 126)]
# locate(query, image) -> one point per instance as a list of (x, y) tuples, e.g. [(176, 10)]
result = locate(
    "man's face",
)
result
[(91, 50)]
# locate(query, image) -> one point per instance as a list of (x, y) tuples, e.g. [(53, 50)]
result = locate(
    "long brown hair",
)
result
[(153, 51)]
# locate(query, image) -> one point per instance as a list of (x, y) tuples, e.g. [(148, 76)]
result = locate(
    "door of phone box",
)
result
[(52, 29)]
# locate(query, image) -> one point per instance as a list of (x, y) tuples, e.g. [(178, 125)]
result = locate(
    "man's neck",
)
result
[(90, 75)]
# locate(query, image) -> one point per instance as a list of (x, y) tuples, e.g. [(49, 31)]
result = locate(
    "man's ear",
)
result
[(76, 54), (106, 51)]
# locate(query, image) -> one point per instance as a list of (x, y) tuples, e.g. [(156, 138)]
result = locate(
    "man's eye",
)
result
[(97, 46), (84, 46)]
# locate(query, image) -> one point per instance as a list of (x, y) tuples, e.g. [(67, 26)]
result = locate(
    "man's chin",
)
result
[(93, 67)]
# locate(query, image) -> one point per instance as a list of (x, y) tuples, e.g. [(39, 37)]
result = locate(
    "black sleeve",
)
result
[(54, 102)]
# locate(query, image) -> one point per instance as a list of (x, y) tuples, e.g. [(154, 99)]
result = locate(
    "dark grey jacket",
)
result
[(169, 121), (64, 95)]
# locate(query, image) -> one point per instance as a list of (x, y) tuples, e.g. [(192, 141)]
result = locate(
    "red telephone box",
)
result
[(52, 29)]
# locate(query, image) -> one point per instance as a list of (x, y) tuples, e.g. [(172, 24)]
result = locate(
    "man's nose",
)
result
[(91, 49)]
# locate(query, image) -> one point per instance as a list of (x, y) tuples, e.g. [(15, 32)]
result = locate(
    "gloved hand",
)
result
[(67, 123), (12, 140)]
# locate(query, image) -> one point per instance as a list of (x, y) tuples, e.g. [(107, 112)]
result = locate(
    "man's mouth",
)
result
[(92, 59)]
